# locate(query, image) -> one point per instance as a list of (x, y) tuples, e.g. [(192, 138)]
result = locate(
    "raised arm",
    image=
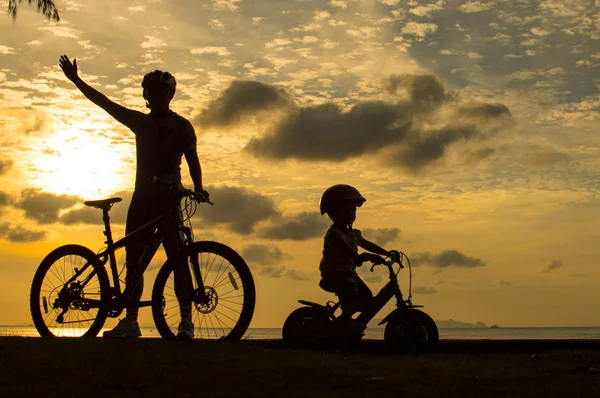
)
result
[(120, 113)]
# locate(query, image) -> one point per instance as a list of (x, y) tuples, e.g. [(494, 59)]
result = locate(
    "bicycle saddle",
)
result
[(103, 204)]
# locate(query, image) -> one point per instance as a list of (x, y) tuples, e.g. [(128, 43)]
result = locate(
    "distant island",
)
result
[(452, 324)]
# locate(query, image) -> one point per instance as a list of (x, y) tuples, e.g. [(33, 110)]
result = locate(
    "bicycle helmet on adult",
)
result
[(159, 78), (340, 193)]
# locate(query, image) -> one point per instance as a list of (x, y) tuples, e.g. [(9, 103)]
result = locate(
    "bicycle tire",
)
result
[(44, 302), (165, 307), (411, 330), (302, 325)]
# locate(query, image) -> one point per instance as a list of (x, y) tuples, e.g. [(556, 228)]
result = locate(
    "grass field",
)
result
[(35, 367)]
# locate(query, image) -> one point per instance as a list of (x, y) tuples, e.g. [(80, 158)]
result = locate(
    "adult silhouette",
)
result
[(162, 137)]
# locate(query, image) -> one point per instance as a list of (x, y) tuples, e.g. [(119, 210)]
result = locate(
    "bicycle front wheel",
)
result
[(69, 293), (224, 309)]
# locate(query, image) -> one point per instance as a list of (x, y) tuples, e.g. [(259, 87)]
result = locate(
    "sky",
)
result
[(471, 127)]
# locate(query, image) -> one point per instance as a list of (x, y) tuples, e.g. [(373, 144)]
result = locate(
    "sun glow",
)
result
[(76, 161)]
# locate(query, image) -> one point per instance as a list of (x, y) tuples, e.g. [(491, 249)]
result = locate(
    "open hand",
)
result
[(70, 69)]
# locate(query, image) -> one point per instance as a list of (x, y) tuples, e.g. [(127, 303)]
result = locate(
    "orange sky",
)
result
[(470, 127)]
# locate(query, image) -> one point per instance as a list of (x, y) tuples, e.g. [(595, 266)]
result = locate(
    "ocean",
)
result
[(503, 333)]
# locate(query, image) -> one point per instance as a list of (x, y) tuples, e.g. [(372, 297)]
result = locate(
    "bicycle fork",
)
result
[(199, 296)]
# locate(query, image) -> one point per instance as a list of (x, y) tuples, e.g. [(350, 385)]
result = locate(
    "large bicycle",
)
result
[(406, 327), (72, 293)]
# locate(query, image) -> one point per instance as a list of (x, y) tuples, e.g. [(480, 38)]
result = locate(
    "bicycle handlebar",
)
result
[(181, 191), (395, 258)]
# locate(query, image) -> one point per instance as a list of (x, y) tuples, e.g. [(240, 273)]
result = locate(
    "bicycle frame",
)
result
[(160, 231), (387, 292), (390, 290)]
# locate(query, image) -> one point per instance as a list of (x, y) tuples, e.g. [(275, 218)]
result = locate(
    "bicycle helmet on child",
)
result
[(340, 193), (159, 78)]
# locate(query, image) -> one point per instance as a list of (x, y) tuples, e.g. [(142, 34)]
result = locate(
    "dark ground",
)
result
[(36, 367)]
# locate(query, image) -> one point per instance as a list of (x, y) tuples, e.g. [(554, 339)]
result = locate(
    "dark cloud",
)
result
[(84, 215), (554, 265), (243, 98), (381, 236), (424, 90), (475, 156), (262, 254), (543, 159), (267, 260), (44, 207), (424, 290), (5, 199), (445, 259), (301, 226), (432, 147), (92, 215), (297, 275), (240, 209), (486, 111), (326, 132), (5, 165), (19, 234)]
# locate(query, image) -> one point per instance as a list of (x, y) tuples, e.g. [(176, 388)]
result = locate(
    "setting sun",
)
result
[(77, 162)]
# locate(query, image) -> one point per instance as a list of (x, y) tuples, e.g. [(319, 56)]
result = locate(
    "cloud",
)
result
[(5, 199), (269, 258), (226, 5), (425, 150), (262, 254), (381, 236), (243, 98), (413, 129), (419, 29), (5, 50), (220, 51), (445, 259), (240, 209), (91, 215), (19, 234), (554, 265), (476, 6), (422, 89), (484, 111), (34, 126), (44, 207), (325, 132), (301, 226)]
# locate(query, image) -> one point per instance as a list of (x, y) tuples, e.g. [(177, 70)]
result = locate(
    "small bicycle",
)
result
[(72, 294), (407, 328)]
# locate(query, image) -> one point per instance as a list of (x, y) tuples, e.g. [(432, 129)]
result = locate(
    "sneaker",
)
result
[(185, 330), (125, 328)]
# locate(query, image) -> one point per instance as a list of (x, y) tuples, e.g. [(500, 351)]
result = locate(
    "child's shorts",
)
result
[(347, 286)]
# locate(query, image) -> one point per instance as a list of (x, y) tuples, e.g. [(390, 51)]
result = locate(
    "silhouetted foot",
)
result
[(125, 328), (185, 330)]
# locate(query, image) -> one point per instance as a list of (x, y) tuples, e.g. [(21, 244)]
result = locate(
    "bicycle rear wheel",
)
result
[(65, 305), (229, 288)]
